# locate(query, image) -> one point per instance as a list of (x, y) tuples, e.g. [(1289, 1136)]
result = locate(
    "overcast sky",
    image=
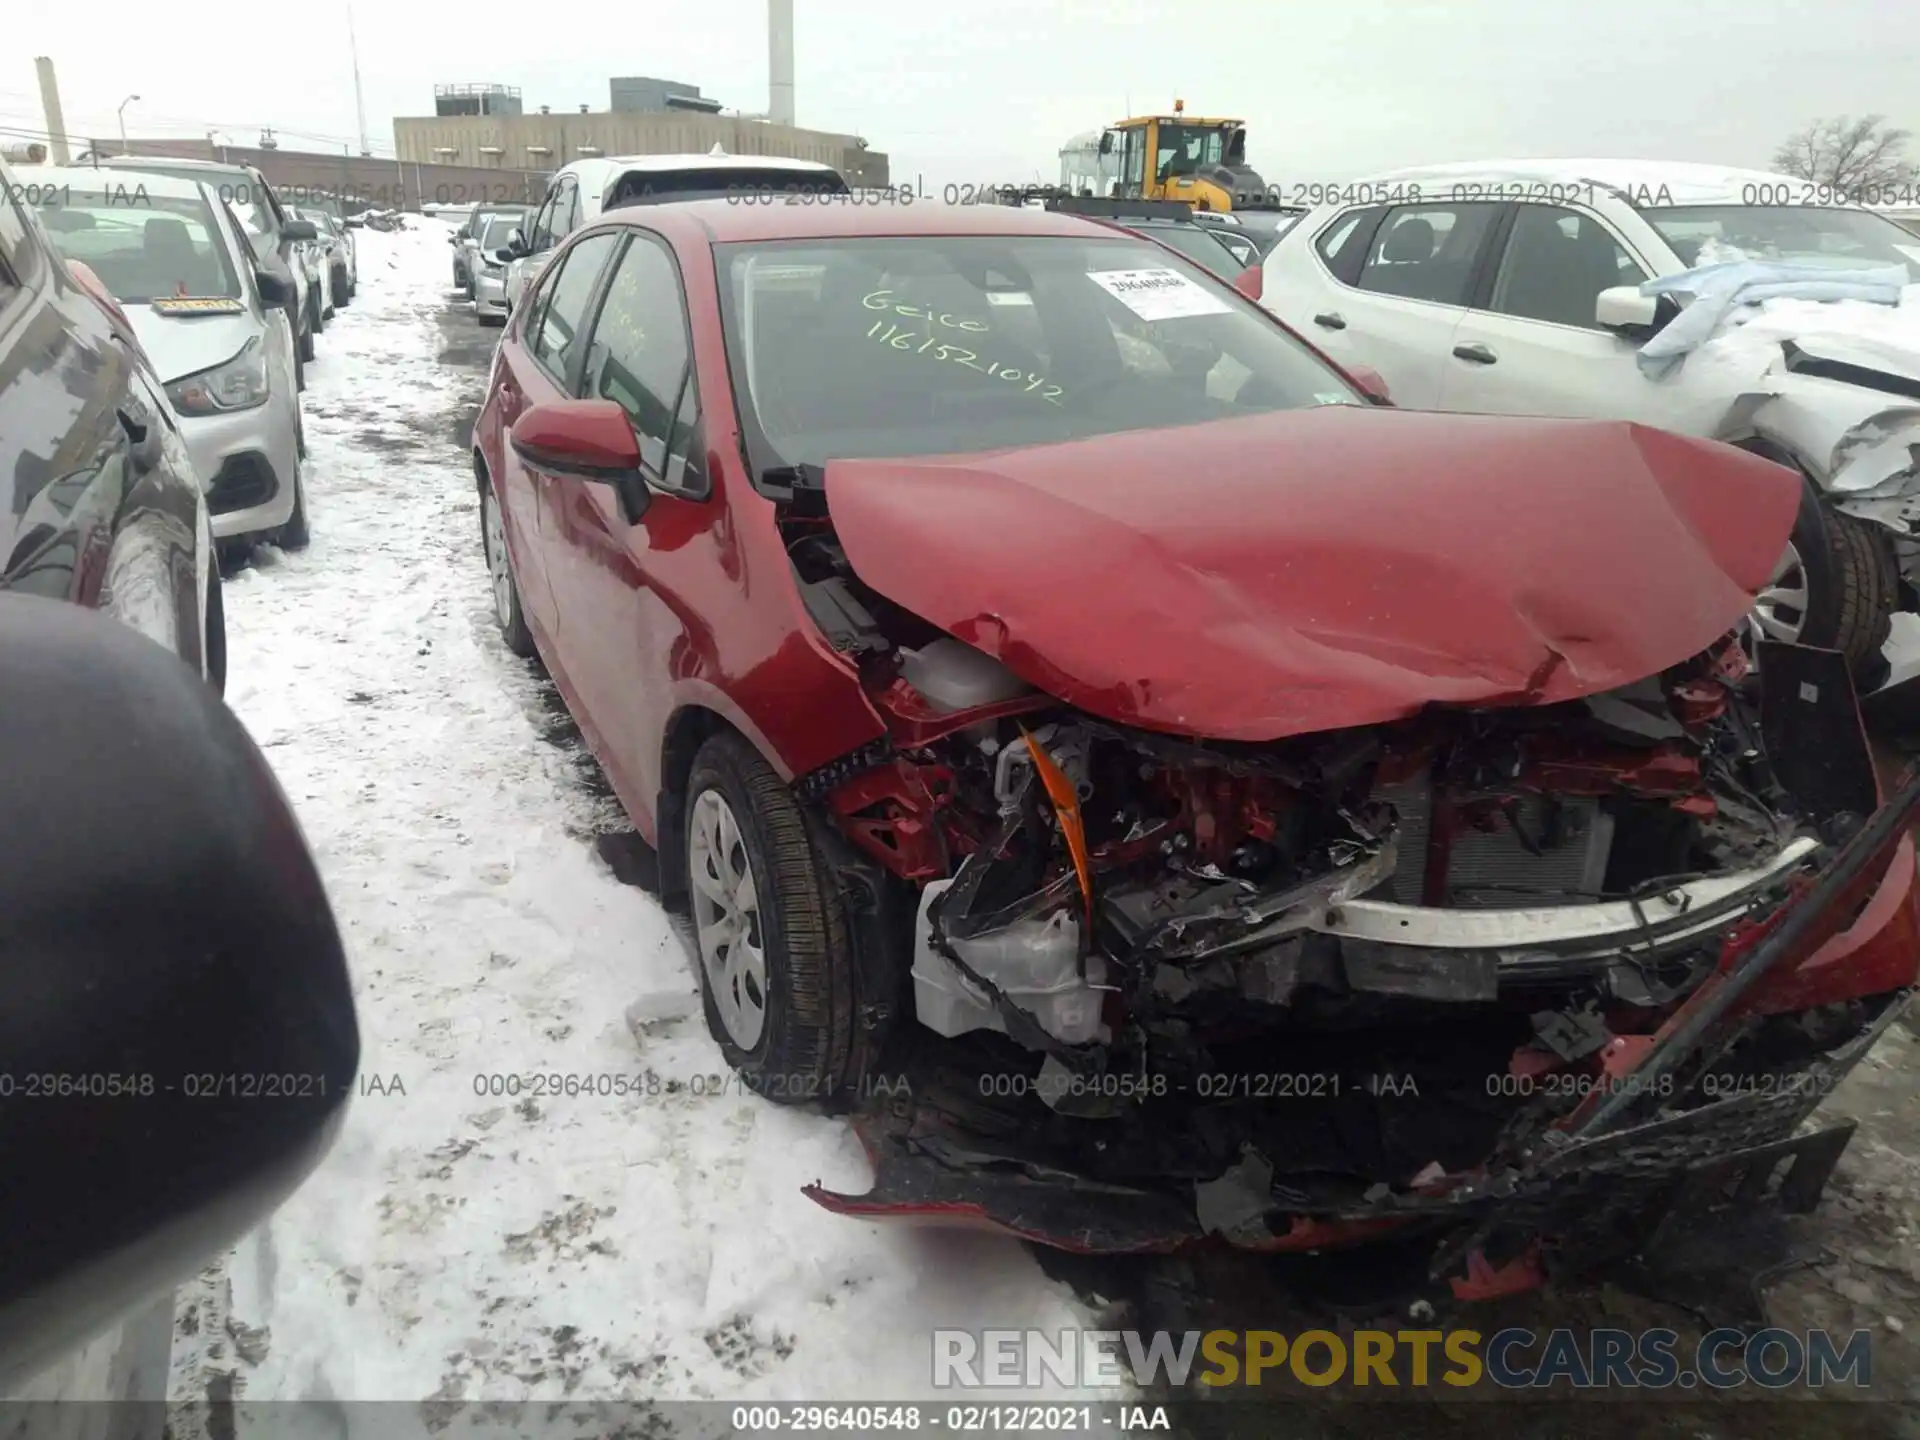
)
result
[(959, 91)]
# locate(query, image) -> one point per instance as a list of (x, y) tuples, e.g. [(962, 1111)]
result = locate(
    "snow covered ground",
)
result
[(461, 1243)]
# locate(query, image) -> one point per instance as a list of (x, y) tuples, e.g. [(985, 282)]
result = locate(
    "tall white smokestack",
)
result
[(780, 61)]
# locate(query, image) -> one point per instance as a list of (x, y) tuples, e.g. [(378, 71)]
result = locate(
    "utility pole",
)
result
[(359, 102), (50, 102)]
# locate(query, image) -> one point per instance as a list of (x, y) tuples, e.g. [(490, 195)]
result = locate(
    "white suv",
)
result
[(579, 192), (1513, 287)]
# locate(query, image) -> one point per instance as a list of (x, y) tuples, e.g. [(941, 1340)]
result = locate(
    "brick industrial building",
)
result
[(486, 127), (381, 184)]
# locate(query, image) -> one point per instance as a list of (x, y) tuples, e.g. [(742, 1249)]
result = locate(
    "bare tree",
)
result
[(1848, 154)]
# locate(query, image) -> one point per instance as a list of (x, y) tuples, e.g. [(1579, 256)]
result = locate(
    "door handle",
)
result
[(1331, 320), (1479, 354)]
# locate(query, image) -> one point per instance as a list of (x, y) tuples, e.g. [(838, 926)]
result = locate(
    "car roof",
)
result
[(83, 178), (722, 222), (599, 173), (705, 162), (158, 164), (1643, 181)]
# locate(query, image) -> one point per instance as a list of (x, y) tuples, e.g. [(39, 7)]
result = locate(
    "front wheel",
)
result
[(1836, 587), (776, 961)]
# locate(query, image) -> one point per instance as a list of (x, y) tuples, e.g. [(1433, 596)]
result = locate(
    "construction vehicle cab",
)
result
[(1200, 162)]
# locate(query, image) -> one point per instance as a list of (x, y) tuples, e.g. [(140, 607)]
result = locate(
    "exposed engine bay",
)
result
[(1329, 976)]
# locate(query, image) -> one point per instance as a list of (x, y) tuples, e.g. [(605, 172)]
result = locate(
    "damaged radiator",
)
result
[(1495, 867)]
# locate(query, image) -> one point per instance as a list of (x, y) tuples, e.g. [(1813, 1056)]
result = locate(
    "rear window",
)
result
[(929, 345), (642, 187), (144, 247)]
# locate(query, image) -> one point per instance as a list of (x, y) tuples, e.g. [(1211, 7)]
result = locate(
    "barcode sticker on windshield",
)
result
[(1158, 294)]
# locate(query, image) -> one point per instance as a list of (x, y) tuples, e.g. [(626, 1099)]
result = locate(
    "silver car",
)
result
[(487, 264), (336, 241), (466, 241), (175, 257)]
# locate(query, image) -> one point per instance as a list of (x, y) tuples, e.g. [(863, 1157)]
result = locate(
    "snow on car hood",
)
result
[(1256, 578), (182, 345)]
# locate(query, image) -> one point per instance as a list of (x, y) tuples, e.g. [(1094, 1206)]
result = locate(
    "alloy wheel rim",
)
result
[(726, 919), (1780, 609), (497, 564)]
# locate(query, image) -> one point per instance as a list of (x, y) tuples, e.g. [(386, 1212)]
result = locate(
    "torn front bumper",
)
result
[(928, 1171), (1844, 939)]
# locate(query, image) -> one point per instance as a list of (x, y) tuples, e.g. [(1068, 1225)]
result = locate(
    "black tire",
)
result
[(319, 321), (305, 348), (215, 650), (508, 614), (294, 535), (342, 293), (1853, 586), (808, 1048)]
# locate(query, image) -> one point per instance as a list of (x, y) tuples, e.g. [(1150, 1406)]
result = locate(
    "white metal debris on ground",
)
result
[(467, 1238)]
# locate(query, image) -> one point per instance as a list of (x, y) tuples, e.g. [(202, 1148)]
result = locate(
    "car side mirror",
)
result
[(517, 244), (273, 290), (1249, 282), (589, 440), (505, 255), (1623, 309), (176, 1013), (1371, 383), (299, 230)]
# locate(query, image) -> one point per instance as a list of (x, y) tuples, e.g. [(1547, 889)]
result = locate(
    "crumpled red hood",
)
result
[(1256, 578)]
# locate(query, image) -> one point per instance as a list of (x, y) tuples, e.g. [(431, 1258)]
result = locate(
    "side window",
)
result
[(639, 353), (540, 233), (569, 212), (1557, 261), (1343, 244), (558, 340), (1427, 252)]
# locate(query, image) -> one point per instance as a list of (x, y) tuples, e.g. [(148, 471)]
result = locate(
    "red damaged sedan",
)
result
[(1162, 792)]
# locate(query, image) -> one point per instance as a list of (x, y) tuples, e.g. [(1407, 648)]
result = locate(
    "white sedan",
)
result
[(175, 258), (1515, 287)]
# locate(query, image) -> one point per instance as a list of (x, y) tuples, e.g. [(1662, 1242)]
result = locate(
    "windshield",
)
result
[(236, 187), (144, 247), (1198, 245), (1185, 149), (1816, 234), (944, 345)]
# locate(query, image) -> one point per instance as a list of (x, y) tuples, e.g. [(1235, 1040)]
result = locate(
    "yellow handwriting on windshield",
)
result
[(932, 347), (888, 301)]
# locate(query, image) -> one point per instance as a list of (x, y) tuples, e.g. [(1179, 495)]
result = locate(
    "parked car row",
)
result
[(1045, 675), (156, 319)]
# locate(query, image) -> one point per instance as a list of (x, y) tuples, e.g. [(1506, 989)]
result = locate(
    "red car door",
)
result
[(636, 599), (539, 361)]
